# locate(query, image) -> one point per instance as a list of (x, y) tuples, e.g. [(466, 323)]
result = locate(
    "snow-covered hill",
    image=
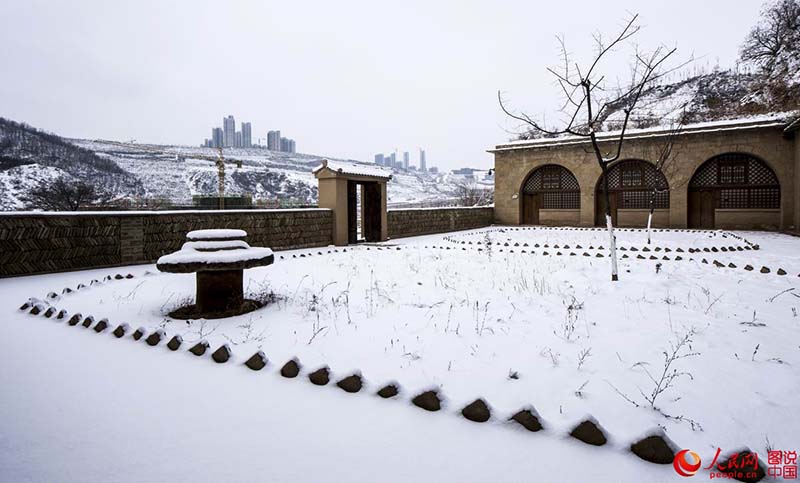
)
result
[(179, 172), (156, 175)]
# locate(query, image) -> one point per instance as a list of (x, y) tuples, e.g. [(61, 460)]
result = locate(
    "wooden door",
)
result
[(530, 209), (352, 212), (600, 203), (372, 212), (707, 207), (695, 210)]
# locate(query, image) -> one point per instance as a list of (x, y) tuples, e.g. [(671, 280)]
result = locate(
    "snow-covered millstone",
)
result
[(218, 257)]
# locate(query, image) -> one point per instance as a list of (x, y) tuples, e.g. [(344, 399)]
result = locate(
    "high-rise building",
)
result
[(379, 159), (274, 140), (406, 159), (292, 146), (229, 130), (247, 135), (217, 138), (237, 139), (393, 160), (422, 164)]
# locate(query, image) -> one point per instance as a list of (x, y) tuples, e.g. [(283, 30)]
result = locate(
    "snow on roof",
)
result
[(766, 120), (353, 169)]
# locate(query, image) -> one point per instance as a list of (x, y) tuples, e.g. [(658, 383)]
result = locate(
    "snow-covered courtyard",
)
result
[(689, 341)]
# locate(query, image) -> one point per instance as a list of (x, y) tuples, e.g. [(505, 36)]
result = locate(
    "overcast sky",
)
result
[(344, 79)]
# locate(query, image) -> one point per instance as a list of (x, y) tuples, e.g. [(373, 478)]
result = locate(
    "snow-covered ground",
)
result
[(483, 313)]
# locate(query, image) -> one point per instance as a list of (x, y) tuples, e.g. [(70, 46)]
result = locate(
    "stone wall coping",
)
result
[(153, 213), (443, 208)]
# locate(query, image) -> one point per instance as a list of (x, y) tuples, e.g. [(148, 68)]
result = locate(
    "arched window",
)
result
[(739, 181), (634, 182), (550, 187)]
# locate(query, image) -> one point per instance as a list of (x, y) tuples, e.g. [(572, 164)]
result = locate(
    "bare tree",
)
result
[(469, 193), (775, 41), (665, 164), (63, 195), (588, 101)]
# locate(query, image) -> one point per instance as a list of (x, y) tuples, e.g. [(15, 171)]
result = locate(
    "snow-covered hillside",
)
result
[(179, 172)]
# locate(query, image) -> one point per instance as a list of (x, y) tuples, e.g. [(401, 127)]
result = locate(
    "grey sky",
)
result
[(343, 78)]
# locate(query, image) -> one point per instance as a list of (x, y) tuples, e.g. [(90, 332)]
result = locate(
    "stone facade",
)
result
[(769, 141), (425, 221), (53, 242)]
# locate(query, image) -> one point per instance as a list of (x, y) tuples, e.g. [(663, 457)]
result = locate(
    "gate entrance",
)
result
[(357, 195)]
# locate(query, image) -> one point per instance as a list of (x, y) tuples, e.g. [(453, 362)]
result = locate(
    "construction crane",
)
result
[(220, 161)]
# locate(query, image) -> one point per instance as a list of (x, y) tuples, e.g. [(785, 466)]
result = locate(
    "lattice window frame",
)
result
[(561, 193), (761, 189)]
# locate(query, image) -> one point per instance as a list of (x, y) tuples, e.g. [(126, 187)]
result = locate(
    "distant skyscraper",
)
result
[(217, 138), (274, 140), (422, 164), (247, 135), (406, 159), (237, 139), (379, 159), (292, 146), (393, 160), (229, 130)]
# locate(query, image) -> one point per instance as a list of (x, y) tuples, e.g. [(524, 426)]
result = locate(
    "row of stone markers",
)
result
[(655, 448), (746, 244)]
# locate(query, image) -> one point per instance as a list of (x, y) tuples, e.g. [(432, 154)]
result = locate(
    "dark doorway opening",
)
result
[(363, 211)]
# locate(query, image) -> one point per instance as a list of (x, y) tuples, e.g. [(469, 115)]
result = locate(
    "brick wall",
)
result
[(423, 221), (54, 242)]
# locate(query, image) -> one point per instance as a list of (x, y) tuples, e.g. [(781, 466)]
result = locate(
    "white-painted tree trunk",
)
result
[(612, 249), (649, 223)]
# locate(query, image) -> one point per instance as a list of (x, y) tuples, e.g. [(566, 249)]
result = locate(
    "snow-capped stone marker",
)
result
[(219, 258), (748, 267), (175, 343), (320, 377), (155, 338), (88, 321), (764, 270), (61, 314), (200, 348), (351, 384), (528, 420), (138, 333), (731, 265), (49, 312), (589, 432), (120, 331), (655, 449), (477, 411), (428, 400), (101, 326), (36, 310), (222, 354), (388, 391), (291, 369), (75, 319), (257, 361), (779, 272)]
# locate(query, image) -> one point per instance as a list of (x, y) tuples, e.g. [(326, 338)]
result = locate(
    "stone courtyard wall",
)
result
[(425, 221), (54, 242)]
